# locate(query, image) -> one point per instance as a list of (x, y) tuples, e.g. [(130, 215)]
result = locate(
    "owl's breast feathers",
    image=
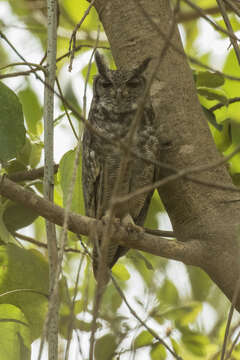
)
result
[(101, 168)]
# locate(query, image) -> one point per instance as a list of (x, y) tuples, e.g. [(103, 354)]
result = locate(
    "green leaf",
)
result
[(175, 346), (191, 32), (36, 153), (195, 342), (30, 153), (105, 347), (235, 132), (12, 130), (5, 235), (120, 271), (139, 255), (25, 269), (16, 216), (236, 352), (111, 300), (223, 138), (156, 206), (200, 282), (32, 110), (231, 87), (143, 339), (158, 352), (182, 315), (209, 79), (75, 13), (168, 293), (83, 325), (234, 163), (213, 94), (78, 306), (234, 23), (24, 154), (69, 323), (65, 175), (190, 313), (212, 119), (15, 338), (14, 166), (93, 71)]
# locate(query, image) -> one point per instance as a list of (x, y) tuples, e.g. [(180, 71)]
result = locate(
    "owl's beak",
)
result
[(119, 94)]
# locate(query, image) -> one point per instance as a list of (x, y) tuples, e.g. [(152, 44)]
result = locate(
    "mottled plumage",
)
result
[(116, 94)]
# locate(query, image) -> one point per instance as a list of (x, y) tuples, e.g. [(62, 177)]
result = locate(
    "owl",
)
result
[(116, 94)]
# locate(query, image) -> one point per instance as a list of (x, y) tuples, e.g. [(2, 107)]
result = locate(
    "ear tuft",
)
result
[(101, 65)]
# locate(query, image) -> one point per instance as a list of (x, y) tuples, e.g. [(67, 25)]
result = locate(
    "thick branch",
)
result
[(29, 175), (191, 252), (54, 213)]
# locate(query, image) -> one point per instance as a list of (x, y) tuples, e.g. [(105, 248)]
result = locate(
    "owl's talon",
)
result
[(105, 219), (117, 221), (128, 222), (134, 227)]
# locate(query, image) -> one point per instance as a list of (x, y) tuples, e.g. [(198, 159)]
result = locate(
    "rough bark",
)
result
[(196, 211)]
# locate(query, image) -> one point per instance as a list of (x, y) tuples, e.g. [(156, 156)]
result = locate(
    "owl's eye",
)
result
[(133, 83), (106, 84)]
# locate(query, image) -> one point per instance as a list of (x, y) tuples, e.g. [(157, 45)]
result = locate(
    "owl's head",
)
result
[(119, 91)]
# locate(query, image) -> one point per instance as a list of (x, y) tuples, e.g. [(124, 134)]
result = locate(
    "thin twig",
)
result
[(88, 74), (20, 56), (220, 105), (79, 48), (24, 290), (233, 6), (133, 312), (178, 49), (193, 15), (71, 315), (234, 343), (44, 245), (216, 26), (18, 73), (179, 174), (72, 43), (37, 66), (29, 175), (229, 320), (65, 109), (229, 27)]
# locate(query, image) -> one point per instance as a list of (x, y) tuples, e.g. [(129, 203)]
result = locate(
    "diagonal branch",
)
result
[(190, 252)]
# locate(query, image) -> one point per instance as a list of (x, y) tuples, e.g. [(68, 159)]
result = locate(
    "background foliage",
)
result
[(179, 303)]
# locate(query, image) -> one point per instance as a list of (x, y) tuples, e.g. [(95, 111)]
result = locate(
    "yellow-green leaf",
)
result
[(12, 130), (121, 272), (143, 339)]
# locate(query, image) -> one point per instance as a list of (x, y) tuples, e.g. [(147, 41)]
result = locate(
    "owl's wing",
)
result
[(143, 213), (90, 174)]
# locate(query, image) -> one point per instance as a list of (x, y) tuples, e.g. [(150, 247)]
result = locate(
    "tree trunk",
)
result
[(196, 211)]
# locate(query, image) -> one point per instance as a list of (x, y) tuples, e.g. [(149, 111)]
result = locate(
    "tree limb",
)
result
[(191, 252)]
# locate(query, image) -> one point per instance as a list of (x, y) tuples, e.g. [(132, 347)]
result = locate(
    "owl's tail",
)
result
[(114, 253)]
